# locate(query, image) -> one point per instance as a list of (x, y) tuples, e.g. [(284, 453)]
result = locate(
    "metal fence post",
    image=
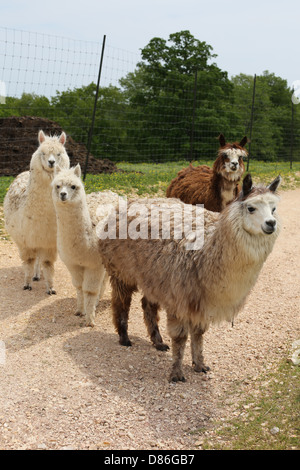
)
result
[(292, 137), (193, 119), (94, 110), (251, 120)]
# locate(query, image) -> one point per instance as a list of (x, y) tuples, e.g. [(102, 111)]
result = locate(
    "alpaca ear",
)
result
[(244, 141), (247, 184), (77, 170), (41, 137), (222, 140), (275, 183), (62, 138)]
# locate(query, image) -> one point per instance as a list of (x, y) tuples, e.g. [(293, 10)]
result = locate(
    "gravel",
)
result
[(66, 386)]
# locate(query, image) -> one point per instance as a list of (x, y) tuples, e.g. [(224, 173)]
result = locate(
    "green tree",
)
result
[(177, 95), (73, 110), (271, 128), (29, 104)]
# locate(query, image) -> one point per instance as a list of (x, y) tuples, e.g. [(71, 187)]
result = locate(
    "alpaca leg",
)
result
[(103, 284), (91, 288), (37, 270), (80, 303), (28, 258), (179, 334), (197, 349), (151, 319), (77, 280), (90, 300), (48, 269), (121, 299), (47, 261)]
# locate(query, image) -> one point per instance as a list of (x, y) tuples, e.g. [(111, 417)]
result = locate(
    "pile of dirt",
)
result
[(18, 141)]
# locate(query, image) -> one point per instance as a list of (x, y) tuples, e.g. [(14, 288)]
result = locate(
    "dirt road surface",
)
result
[(66, 386)]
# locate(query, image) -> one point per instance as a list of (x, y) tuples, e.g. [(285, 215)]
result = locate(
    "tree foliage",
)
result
[(173, 106)]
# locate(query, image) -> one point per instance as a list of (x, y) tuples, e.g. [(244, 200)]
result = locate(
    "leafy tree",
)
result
[(29, 104), (271, 129), (177, 95)]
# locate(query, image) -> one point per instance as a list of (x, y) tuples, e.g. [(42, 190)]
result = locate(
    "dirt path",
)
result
[(66, 386)]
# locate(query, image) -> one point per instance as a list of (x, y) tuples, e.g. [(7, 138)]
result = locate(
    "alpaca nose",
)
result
[(51, 162), (271, 223), (234, 165), (63, 195)]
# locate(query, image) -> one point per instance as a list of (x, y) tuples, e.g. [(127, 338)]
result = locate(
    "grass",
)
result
[(153, 179), (268, 419)]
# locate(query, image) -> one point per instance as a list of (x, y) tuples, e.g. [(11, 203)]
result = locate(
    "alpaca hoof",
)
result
[(27, 287), (79, 314), (177, 378), (36, 278), (201, 368), (51, 292), (125, 342), (162, 347), (90, 324)]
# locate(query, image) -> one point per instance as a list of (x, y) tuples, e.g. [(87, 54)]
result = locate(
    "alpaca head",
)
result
[(67, 187), (229, 162), (51, 152), (258, 205)]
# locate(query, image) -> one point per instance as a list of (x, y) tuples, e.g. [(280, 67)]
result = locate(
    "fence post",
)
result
[(193, 119), (292, 137), (94, 110), (251, 120)]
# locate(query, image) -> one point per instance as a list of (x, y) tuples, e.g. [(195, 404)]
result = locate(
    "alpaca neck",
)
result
[(39, 190), (74, 218)]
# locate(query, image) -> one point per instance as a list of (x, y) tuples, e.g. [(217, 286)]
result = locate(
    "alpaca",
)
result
[(77, 216), (29, 213), (195, 287), (216, 187)]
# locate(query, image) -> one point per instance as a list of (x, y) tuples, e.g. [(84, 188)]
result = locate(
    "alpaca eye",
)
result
[(58, 154), (251, 209), (273, 210), (73, 187), (57, 186)]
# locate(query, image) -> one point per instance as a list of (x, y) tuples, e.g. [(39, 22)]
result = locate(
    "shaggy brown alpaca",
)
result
[(196, 287), (216, 187)]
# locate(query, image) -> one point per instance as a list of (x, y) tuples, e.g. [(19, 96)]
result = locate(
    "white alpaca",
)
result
[(29, 213), (196, 287), (77, 243)]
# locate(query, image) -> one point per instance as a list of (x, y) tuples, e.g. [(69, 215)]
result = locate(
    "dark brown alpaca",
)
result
[(214, 187)]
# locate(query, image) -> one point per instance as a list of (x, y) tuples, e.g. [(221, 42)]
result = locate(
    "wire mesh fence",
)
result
[(141, 112)]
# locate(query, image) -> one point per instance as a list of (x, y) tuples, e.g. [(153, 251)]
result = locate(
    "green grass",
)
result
[(153, 179), (274, 406)]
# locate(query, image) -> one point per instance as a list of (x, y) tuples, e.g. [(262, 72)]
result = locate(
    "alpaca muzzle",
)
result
[(269, 226), (63, 196), (51, 162)]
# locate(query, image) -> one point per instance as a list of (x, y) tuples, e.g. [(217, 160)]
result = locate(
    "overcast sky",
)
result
[(248, 37)]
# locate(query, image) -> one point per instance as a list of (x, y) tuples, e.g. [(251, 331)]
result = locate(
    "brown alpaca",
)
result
[(196, 287), (216, 187)]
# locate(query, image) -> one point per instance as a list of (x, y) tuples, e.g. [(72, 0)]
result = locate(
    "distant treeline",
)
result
[(172, 107)]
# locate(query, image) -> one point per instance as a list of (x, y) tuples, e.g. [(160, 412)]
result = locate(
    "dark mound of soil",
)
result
[(19, 140)]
